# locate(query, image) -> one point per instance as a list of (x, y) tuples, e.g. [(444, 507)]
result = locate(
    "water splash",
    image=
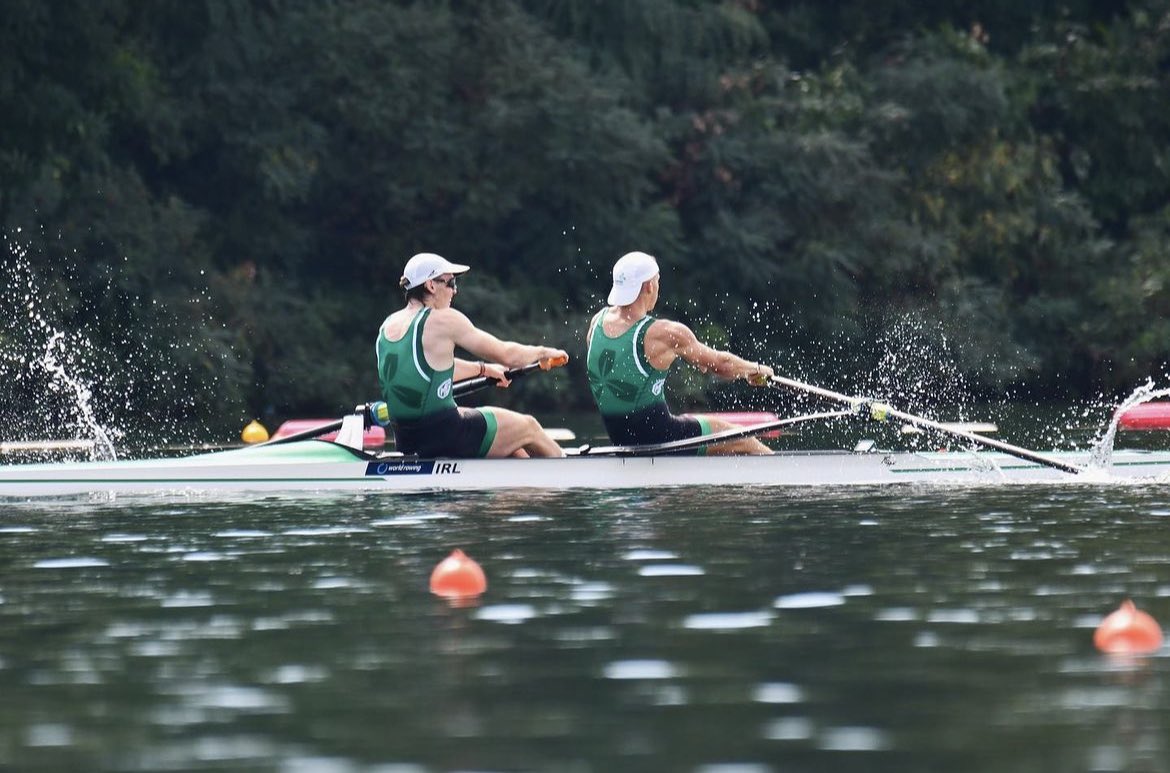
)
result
[(40, 361), (54, 362), (1101, 452)]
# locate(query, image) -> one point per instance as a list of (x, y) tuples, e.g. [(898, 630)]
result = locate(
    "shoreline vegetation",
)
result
[(212, 202)]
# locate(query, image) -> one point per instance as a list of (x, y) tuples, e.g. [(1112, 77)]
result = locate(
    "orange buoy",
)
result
[(458, 576), (1128, 630), (254, 433)]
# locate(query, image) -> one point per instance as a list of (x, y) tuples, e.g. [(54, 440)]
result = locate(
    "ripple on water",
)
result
[(122, 537), (809, 600), (510, 614), (955, 616), (333, 583), (184, 599), (206, 556), (411, 520), (591, 592), (48, 734), (644, 554), (325, 531), (670, 570), (777, 692), (640, 669), (852, 739), (527, 518), (728, 621), (80, 562), (295, 673)]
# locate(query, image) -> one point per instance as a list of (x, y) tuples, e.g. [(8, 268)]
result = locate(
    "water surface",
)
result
[(741, 631)]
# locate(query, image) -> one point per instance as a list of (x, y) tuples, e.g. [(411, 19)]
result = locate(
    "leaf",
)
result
[(605, 363), (622, 390), (390, 366), (411, 397)]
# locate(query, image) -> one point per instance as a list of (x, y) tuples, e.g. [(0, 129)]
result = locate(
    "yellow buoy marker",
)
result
[(254, 433)]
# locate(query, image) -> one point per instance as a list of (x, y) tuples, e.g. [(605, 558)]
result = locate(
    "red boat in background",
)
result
[(742, 419), (374, 437), (1146, 416)]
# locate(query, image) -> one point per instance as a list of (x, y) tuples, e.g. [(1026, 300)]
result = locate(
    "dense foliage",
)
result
[(229, 188)]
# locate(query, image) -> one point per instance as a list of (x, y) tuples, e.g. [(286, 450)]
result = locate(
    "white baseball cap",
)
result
[(425, 266), (631, 270)]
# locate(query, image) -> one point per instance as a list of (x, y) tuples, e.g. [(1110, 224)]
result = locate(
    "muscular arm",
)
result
[(448, 328), (667, 340)]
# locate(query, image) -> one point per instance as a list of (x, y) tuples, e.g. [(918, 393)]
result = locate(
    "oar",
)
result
[(471, 385), (307, 434), (459, 389), (687, 444), (881, 411)]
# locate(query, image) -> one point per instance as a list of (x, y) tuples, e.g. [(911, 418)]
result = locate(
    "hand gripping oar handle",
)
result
[(881, 412), (471, 385)]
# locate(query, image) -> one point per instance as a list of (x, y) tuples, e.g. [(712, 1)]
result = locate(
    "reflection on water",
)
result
[(757, 630)]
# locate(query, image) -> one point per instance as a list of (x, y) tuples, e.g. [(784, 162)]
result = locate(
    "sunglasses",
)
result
[(449, 282)]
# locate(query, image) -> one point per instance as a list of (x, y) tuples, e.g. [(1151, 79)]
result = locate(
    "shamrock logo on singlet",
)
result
[(603, 383), (407, 396)]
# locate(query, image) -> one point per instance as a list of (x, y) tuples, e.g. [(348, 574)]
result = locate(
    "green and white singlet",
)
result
[(629, 391), (425, 418)]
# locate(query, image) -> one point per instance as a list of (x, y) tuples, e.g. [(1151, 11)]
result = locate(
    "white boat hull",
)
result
[(317, 466)]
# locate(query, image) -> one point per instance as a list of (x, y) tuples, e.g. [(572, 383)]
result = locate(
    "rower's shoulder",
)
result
[(447, 316), (667, 327)]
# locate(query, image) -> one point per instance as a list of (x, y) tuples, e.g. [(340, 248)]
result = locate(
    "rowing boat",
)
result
[(306, 462), (319, 466)]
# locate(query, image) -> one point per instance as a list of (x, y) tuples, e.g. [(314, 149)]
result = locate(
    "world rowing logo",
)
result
[(656, 387), (444, 390)]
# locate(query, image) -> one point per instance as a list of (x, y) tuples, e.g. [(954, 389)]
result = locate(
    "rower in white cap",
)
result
[(630, 356), (417, 366)]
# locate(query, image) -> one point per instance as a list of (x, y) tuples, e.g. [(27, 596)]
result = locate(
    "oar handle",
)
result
[(472, 385), (548, 363)]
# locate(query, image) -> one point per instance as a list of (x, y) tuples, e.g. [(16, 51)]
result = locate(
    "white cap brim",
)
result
[(623, 295)]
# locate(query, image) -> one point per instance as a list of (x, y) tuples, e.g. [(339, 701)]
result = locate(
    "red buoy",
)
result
[(1128, 630), (457, 576)]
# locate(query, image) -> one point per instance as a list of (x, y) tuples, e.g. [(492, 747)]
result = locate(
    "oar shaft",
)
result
[(923, 422), (471, 385), (687, 444), (307, 434)]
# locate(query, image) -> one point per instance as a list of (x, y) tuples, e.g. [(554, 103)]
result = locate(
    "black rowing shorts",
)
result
[(460, 433), (653, 424)]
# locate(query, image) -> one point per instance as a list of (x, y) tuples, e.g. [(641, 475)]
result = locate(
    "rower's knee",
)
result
[(532, 427)]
